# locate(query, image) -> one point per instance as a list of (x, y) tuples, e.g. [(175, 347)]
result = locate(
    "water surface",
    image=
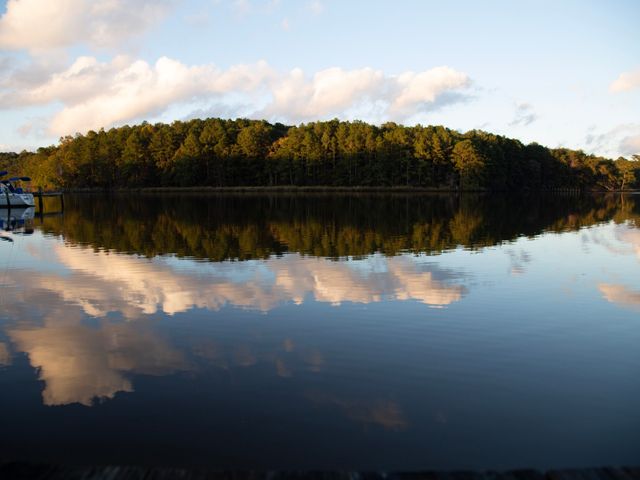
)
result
[(316, 331)]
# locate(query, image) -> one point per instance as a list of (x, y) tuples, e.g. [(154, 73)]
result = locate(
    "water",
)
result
[(360, 332)]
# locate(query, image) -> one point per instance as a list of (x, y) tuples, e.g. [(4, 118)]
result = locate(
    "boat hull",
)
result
[(17, 200)]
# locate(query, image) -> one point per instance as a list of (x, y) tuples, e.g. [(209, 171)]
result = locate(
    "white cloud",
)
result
[(98, 94), (417, 89), (242, 6), (329, 93), (107, 94), (626, 82), (524, 115), (623, 140), (38, 25), (630, 145), (247, 7), (316, 7)]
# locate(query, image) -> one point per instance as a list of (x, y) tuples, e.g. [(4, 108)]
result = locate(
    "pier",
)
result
[(40, 194)]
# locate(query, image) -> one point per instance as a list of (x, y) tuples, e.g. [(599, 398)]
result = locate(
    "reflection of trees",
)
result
[(220, 227)]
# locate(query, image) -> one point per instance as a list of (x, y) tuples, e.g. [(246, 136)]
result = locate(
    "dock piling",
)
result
[(40, 194), (40, 205)]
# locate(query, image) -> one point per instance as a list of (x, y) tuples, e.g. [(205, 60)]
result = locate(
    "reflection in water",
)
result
[(285, 363), (631, 237), (307, 319), (625, 241), (518, 260), (384, 413), (102, 282), (225, 227), (17, 220), (5, 355), (620, 295), (79, 363)]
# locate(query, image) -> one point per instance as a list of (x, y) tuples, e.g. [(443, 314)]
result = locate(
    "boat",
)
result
[(12, 195)]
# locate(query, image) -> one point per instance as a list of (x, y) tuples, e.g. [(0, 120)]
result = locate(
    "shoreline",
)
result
[(21, 470), (331, 189)]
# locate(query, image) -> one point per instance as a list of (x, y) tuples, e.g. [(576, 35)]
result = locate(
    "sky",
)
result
[(557, 73)]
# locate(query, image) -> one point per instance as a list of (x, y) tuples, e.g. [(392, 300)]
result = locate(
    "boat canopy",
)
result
[(24, 179)]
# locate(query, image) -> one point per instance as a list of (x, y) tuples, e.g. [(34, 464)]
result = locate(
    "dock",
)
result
[(23, 471), (40, 194)]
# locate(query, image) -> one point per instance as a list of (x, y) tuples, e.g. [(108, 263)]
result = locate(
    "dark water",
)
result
[(364, 332)]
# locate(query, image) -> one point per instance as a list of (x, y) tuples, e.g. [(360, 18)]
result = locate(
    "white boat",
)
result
[(12, 196)]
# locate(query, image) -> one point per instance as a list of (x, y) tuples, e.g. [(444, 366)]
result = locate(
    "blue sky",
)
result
[(559, 73)]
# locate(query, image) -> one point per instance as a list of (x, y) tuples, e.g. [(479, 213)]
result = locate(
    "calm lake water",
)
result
[(316, 331)]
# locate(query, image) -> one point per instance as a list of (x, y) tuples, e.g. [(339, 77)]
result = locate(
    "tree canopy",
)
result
[(225, 153)]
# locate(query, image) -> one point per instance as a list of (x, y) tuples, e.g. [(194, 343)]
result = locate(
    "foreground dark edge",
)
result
[(21, 470)]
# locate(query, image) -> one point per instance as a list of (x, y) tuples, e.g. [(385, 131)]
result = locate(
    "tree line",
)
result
[(227, 153)]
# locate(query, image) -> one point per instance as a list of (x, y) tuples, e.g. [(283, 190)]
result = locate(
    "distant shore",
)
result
[(324, 189)]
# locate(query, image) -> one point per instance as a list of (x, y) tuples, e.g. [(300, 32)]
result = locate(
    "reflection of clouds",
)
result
[(282, 369), (314, 360), (244, 357), (5, 355), (288, 345), (101, 282), (411, 283), (624, 241), (287, 358), (79, 364), (620, 295), (335, 282), (385, 413), (518, 260), (620, 239), (632, 237)]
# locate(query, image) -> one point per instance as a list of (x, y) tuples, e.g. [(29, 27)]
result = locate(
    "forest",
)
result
[(217, 152)]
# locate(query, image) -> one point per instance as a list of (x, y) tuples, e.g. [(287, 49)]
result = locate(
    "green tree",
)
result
[(470, 165)]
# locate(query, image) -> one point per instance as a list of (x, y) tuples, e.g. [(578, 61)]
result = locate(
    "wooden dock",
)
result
[(40, 194), (23, 471)]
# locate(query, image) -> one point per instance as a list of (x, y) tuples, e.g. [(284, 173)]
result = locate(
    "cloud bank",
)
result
[(96, 94), (623, 139), (40, 25)]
